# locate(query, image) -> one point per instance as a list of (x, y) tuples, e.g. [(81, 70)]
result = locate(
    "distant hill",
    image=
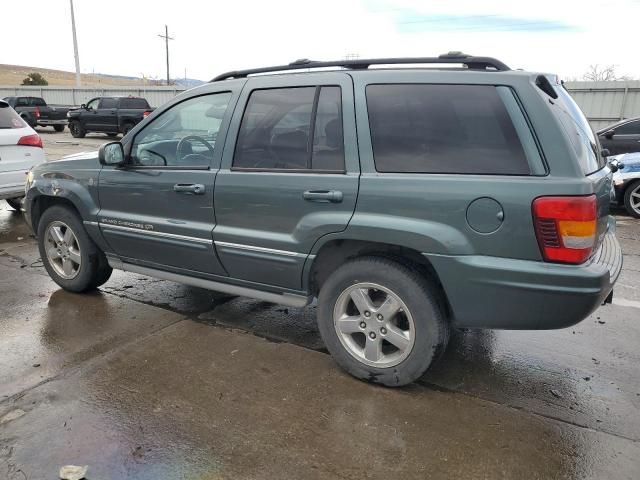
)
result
[(14, 74)]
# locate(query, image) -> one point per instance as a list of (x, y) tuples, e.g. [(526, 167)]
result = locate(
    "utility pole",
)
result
[(75, 45), (166, 44)]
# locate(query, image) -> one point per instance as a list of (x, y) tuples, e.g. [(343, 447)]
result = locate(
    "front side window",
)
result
[(38, 102), (184, 135), (93, 104), (297, 128), (631, 128), (422, 128), (22, 102)]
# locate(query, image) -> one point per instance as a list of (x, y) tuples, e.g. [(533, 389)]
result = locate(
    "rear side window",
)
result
[(108, 103), (133, 103), (419, 128), (297, 128), (9, 118)]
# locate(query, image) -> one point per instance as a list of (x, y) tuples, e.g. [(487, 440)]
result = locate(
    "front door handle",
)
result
[(323, 196), (192, 188)]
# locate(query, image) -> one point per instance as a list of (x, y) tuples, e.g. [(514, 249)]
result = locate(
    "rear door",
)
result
[(626, 138), (158, 210), (289, 175)]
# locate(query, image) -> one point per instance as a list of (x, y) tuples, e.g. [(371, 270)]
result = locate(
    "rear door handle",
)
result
[(193, 188), (323, 196)]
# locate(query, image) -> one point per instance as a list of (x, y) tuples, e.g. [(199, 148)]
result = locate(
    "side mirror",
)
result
[(609, 134), (83, 106), (615, 165), (111, 154)]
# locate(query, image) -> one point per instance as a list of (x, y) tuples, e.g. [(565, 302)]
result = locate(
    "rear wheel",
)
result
[(126, 128), (58, 128), (69, 255), (112, 134), (632, 199), (15, 203), (76, 129), (381, 321)]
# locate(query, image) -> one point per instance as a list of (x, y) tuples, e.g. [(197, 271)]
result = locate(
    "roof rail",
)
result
[(471, 62)]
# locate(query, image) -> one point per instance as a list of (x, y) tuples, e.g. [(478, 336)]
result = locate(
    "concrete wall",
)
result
[(603, 102)]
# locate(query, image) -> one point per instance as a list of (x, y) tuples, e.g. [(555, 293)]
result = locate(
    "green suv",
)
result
[(408, 199)]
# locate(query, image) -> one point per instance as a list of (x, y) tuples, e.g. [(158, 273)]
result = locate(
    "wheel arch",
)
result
[(334, 253)]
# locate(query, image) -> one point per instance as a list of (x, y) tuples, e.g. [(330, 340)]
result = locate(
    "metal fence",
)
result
[(606, 102), (603, 102), (156, 96)]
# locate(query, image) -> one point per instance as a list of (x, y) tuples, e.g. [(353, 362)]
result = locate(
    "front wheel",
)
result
[(69, 255), (632, 199), (381, 321), (58, 128)]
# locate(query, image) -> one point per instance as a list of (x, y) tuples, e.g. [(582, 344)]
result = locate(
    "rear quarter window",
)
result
[(9, 118), (133, 103), (424, 128)]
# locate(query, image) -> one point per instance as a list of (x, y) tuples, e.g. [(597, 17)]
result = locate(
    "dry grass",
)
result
[(11, 75)]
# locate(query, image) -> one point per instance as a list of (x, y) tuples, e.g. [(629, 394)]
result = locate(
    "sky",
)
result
[(121, 36)]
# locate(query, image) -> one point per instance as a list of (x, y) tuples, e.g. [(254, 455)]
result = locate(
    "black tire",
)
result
[(419, 295), (94, 269), (58, 128), (76, 129), (112, 134), (126, 128), (15, 203), (629, 194)]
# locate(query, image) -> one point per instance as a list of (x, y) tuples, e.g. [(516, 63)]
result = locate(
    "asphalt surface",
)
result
[(148, 379)]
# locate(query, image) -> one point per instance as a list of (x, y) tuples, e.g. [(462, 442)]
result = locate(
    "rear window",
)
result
[(584, 141), (9, 118), (133, 103), (419, 128)]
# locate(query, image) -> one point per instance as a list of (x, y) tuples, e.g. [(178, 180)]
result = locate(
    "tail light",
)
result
[(31, 141), (565, 227), (37, 112), (146, 114)]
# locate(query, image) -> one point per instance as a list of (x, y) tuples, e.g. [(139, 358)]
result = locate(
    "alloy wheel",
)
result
[(374, 325), (63, 250)]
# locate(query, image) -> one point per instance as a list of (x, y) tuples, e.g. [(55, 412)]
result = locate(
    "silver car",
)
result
[(626, 182)]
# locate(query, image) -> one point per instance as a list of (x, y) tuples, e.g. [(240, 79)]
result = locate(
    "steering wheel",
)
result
[(185, 141)]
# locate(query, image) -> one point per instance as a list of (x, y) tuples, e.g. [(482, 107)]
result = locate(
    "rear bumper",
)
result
[(48, 122), (492, 292)]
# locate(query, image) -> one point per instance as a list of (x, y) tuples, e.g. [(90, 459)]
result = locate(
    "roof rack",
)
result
[(471, 62)]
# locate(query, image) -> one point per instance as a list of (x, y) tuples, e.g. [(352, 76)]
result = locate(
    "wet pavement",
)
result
[(148, 379)]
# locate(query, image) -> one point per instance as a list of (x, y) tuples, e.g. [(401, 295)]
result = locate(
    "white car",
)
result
[(20, 149)]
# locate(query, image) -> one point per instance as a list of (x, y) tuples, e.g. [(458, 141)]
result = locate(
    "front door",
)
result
[(289, 178), (106, 117), (158, 210)]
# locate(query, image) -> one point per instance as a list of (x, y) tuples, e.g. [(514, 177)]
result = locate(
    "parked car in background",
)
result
[(621, 137), (111, 115), (408, 201), (20, 150), (36, 112), (626, 182)]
